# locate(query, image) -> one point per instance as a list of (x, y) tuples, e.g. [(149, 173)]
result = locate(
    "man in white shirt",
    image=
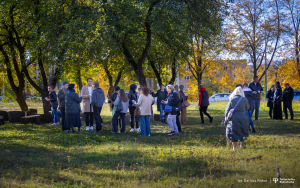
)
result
[(86, 94)]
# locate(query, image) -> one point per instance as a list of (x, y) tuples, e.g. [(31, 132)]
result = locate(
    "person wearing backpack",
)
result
[(122, 104), (238, 125)]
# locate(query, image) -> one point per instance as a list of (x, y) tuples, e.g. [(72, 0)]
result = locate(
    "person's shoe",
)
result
[(162, 121), (257, 120), (113, 132), (137, 130), (149, 135), (87, 128), (211, 119), (53, 123), (131, 130), (171, 133), (249, 130), (73, 131), (165, 121), (242, 146), (286, 118), (91, 128), (292, 118), (253, 130), (202, 122)]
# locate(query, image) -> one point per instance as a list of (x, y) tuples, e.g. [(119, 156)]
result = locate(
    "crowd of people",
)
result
[(172, 103), (245, 99)]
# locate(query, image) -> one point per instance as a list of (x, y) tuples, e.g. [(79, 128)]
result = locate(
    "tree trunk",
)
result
[(79, 79), (156, 72), (141, 75), (173, 68)]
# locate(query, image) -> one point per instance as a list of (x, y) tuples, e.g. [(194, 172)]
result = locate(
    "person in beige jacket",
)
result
[(145, 103), (86, 94)]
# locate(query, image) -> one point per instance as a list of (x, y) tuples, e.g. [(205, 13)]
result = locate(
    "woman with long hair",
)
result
[(237, 127), (270, 97), (176, 88), (277, 109), (122, 98), (173, 102), (144, 103)]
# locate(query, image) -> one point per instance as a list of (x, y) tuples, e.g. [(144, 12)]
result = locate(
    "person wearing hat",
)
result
[(277, 109), (72, 108), (183, 108), (86, 94), (288, 96), (61, 101), (98, 99)]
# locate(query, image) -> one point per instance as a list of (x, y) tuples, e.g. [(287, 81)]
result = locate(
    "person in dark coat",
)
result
[(176, 88), (203, 104), (98, 99), (277, 109), (72, 107), (237, 127), (112, 99), (61, 99), (248, 94), (161, 95), (288, 96), (257, 89), (133, 98), (270, 97), (53, 100), (173, 101)]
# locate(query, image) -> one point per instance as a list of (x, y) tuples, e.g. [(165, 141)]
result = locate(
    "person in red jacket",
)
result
[(203, 104)]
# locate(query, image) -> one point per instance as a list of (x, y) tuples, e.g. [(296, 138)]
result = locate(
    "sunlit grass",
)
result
[(44, 156)]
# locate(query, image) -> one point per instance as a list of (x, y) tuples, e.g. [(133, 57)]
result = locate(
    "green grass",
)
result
[(44, 156)]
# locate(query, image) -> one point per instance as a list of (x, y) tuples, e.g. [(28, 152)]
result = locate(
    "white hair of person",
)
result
[(237, 91)]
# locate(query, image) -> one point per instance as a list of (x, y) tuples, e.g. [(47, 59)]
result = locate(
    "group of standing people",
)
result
[(245, 99)]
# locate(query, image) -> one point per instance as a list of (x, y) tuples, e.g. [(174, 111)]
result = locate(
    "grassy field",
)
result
[(44, 156)]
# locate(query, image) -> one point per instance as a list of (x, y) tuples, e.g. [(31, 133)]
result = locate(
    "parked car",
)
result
[(296, 95), (219, 97)]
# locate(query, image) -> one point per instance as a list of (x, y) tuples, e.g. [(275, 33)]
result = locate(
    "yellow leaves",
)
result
[(288, 73)]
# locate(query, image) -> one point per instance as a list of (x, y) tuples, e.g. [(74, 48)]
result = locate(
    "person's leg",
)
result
[(253, 106), (257, 105), (87, 119), (205, 112), (143, 125), (285, 110), (97, 118), (201, 114), (234, 145), (122, 116), (170, 122), (63, 115), (290, 107), (147, 123), (270, 112), (52, 114), (174, 124), (131, 111), (162, 117), (178, 123), (100, 125), (91, 119), (115, 122), (55, 115)]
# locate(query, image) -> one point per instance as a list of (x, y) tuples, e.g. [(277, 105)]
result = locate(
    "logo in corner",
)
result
[(275, 180)]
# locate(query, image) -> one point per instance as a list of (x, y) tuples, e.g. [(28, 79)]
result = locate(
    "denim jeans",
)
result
[(54, 115), (145, 125), (249, 112), (162, 108), (255, 104)]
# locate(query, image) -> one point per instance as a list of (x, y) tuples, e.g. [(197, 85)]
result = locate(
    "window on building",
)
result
[(188, 77)]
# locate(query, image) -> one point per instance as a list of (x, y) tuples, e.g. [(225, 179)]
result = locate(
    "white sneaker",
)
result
[(53, 123), (91, 128), (131, 130), (87, 128), (149, 135), (137, 130)]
